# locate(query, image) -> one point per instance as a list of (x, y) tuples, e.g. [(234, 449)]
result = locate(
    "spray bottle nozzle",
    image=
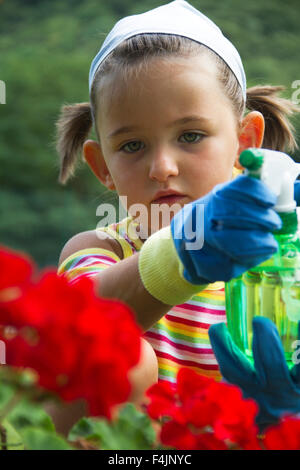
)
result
[(277, 170), (252, 159)]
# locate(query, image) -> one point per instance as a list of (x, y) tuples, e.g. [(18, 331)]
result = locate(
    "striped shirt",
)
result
[(180, 337)]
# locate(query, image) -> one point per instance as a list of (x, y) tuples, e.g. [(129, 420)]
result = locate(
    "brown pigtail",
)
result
[(73, 127), (279, 132)]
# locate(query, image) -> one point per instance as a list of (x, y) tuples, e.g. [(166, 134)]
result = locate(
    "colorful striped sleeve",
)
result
[(180, 338), (88, 263)]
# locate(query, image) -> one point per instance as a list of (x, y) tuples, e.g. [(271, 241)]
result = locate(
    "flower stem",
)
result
[(3, 438)]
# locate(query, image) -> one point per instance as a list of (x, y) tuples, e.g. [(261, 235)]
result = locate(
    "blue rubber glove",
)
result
[(238, 221), (297, 192), (268, 381)]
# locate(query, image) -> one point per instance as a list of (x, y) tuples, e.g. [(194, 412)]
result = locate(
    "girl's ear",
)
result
[(251, 133), (93, 155)]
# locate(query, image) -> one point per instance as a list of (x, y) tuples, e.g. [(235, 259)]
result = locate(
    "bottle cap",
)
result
[(252, 159), (277, 170)]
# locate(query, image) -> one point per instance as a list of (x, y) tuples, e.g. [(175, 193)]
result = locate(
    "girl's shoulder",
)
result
[(90, 239), (121, 238)]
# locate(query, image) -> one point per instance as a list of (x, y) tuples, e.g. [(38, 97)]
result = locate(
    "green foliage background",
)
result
[(46, 47)]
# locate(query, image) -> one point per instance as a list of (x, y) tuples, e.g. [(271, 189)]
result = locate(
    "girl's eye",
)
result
[(192, 137), (132, 147)]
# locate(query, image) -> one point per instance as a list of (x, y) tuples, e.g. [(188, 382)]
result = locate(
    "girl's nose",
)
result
[(163, 165)]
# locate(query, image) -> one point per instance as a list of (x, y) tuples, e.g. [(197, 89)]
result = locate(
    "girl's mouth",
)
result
[(169, 199)]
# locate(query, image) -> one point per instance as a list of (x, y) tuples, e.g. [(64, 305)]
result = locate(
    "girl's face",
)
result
[(170, 129)]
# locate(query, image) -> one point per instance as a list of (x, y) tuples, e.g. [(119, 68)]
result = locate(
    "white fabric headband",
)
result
[(179, 18)]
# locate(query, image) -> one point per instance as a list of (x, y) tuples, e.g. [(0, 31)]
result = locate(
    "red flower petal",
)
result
[(178, 436), (284, 436)]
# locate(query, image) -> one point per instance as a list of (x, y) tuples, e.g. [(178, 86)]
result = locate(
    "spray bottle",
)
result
[(271, 289)]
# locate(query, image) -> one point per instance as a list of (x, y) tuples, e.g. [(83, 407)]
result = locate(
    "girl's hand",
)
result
[(215, 238), (268, 381), (236, 231)]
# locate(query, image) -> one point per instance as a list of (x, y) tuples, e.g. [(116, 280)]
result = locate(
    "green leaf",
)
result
[(131, 431), (30, 414), (83, 429), (13, 439), (38, 439), (23, 412), (6, 392)]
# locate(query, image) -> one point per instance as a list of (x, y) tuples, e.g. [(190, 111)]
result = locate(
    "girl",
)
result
[(171, 112)]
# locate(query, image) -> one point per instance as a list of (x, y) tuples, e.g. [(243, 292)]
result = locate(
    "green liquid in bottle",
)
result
[(252, 281), (271, 290)]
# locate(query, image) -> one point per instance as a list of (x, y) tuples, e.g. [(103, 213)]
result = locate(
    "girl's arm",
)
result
[(121, 280)]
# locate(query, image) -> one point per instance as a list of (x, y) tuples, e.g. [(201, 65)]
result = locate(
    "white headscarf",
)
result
[(179, 18)]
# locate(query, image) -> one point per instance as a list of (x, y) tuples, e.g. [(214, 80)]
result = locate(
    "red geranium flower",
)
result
[(284, 436), (16, 269), (179, 436), (162, 402), (203, 414), (81, 346)]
